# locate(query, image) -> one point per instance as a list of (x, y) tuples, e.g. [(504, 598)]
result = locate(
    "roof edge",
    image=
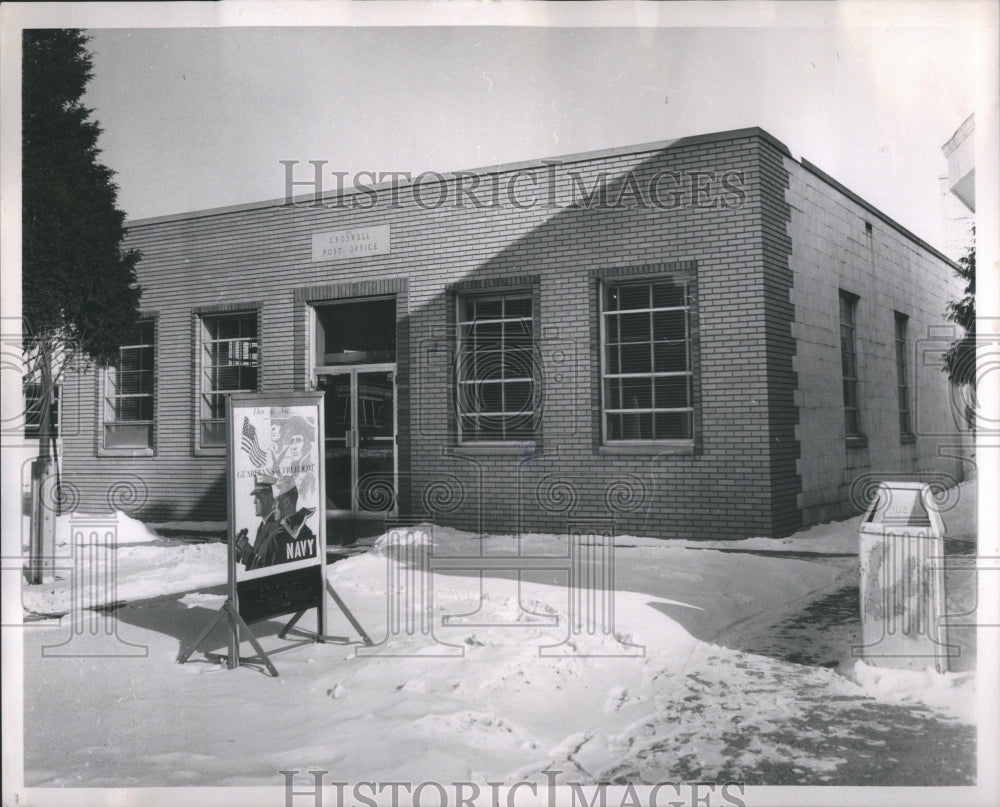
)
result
[(967, 127), (499, 168), (660, 145), (875, 211)]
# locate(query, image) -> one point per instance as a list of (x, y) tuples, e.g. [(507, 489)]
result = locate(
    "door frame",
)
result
[(353, 370)]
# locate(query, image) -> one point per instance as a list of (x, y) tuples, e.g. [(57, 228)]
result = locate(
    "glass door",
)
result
[(360, 446), (375, 408), (338, 424)]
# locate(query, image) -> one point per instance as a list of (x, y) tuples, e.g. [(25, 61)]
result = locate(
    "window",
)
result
[(229, 363), (496, 385), (646, 370), (356, 332), (129, 391), (902, 384), (849, 364)]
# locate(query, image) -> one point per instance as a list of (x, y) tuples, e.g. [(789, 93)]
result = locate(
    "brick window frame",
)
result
[(519, 287), (237, 308), (248, 308), (109, 398), (684, 273)]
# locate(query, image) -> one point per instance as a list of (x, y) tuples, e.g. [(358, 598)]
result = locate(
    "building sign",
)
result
[(277, 527), (340, 245)]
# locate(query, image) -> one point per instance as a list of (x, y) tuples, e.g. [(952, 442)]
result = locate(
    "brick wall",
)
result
[(779, 313), (739, 478)]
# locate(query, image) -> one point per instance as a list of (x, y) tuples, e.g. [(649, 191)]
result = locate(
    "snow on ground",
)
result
[(923, 686), (500, 690), (146, 565)]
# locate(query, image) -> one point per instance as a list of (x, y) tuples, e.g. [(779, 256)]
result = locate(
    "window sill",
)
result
[(649, 448), (125, 452), (856, 441), (210, 452), (907, 438), (494, 449)]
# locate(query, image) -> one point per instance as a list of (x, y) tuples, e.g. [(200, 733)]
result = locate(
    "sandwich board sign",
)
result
[(901, 546), (277, 524), (277, 518)]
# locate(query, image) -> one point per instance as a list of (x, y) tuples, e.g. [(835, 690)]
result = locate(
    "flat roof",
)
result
[(544, 162), (812, 169)]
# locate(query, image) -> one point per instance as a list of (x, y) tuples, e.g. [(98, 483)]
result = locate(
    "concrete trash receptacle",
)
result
[(901, 547)]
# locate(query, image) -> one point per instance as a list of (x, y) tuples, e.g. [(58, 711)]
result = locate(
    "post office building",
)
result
[(700, 338)]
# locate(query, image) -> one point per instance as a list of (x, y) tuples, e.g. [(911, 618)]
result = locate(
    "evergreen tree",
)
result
[(79, 294), (960, 360)]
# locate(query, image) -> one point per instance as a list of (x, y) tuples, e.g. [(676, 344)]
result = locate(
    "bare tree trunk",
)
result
[(44, 496), (45, 412)]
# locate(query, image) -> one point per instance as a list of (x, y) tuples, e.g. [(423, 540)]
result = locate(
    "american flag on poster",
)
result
[(249, 443)]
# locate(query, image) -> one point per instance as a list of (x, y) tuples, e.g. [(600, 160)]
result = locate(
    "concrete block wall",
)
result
[(889, 270)]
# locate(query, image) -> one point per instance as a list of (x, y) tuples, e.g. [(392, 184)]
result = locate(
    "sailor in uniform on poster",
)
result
[(301, 541), (271, 541)]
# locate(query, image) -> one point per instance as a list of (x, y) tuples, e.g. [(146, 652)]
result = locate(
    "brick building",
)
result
[(701, 338)]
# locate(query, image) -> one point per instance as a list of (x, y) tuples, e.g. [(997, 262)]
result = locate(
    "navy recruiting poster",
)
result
[(275, 503)]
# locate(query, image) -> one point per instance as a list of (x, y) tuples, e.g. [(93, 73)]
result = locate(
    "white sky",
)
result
[(200, 118)]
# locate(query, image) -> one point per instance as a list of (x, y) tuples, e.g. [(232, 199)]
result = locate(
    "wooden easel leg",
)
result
[(291, 624), (231, 615), (184, 655), (234, 636), (321, 617), (350, 617), (253, 640)]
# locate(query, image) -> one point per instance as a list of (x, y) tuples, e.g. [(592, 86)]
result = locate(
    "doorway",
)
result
[(360, 450), (354, 365)]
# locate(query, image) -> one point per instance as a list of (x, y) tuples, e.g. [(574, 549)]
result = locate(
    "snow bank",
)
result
[(957, 507), (135, 563), (952, 693), (190, 526), (103, 530), (419, 535), (958, 511)]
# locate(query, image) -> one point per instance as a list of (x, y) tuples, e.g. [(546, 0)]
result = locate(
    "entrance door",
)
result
[(360, 440)]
